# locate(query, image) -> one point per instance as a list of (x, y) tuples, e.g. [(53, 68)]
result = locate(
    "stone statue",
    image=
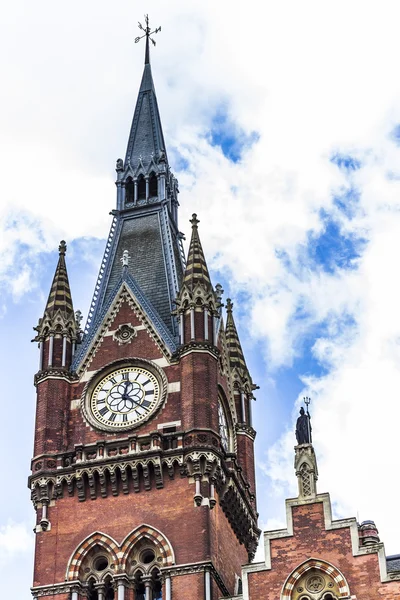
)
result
[(303, 428), (119, 165)]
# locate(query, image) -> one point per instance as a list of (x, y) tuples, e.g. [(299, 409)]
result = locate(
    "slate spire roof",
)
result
[(145, 225), (60, 294), (146, 138), (196, 266), (236, 356)]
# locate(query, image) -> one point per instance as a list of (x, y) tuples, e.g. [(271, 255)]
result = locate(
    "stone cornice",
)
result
[(55, 373), (199, 567), (203, 347), (55, 589)]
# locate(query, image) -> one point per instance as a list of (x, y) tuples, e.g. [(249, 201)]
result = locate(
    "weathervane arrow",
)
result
[(147, 34)]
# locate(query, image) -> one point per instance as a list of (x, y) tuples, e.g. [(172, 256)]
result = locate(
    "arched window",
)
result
[(141, 188), (153, 186), (143, 564), (315, 584), (129, 191)]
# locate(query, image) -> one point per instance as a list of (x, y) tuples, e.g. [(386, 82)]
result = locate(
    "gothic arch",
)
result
[(153, 535), (97, 538), (320, 565)]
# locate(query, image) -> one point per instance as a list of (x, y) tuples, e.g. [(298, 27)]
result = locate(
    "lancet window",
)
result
[(153, 186), (129, 191), (141, 188)]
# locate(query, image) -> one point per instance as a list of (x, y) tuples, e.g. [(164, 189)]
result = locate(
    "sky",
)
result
[(282, 124)]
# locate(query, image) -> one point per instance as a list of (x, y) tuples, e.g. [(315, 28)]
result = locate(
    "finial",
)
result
[(219, 291), (125, 258), (303, 424), (229, 305), (194, 221), (62, 248), (78, 318), (147, 34)]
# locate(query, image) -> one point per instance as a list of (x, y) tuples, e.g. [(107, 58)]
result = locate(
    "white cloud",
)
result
[(311, 79), (15, 540)]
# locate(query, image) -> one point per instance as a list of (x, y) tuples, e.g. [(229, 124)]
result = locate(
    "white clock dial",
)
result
[(223, 427), (125, 397)]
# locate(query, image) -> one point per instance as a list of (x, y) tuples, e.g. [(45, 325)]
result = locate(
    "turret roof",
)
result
[(236, 355), (196, 266), (60, 294)]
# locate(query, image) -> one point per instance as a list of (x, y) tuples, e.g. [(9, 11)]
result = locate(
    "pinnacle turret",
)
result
[(196, 266), (58, 330), (236, 356), (60, 293)]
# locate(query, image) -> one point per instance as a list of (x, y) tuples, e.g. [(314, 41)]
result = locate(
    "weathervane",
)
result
[(147, 32)]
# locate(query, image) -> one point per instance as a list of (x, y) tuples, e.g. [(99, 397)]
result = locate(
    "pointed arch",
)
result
[(153, 535), (97, 538), (321, 565)]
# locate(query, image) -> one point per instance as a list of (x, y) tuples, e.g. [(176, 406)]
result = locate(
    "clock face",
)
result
[(223, 427), (124, 398)]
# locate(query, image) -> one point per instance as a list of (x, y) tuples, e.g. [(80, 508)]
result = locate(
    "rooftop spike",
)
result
[(236, 355), (196, 267), (60, 293)]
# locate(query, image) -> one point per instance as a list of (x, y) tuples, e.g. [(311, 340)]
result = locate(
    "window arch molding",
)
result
[(319, 565), (155, 537), (104, 541)]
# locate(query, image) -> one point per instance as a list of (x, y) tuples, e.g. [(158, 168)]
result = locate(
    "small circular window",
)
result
[(147, 556), (101, 563)]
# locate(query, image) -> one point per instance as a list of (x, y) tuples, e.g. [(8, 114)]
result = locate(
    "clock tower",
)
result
[(143, 469)]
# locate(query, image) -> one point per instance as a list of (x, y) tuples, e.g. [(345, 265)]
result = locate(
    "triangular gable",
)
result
[(126, 290)]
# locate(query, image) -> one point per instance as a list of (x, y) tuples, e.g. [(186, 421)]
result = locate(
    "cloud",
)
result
[(15, 540), (303, 217)]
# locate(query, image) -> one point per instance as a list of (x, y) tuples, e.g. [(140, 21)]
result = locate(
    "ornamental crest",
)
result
[(124, 334)]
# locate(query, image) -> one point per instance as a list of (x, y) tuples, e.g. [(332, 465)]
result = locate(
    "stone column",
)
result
[(192, 331), (168, 595), (243, 402), (51, 346), (41, 355), (205, 323), (64, 351), (121, 591), (207, 585)]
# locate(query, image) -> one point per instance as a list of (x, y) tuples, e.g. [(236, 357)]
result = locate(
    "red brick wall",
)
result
[(311, 540), (196, 533)]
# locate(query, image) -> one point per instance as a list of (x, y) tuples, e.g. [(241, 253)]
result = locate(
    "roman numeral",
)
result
[(103, 411), (125, 376), (149, 392), (101, 401), (112, 417), (145, 403), (145, 382), (125, 418), (113, 380)]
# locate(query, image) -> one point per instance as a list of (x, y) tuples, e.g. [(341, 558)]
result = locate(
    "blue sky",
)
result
[(286, 144)]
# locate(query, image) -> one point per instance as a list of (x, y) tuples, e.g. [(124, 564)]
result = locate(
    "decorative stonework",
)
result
[(120, 552), (149, 367), (124, 334)]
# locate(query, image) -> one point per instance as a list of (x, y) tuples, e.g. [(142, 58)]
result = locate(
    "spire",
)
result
[(236, 357), (196, 266), (58, 330), (146, 139), (145, 222), (60, 293), (305, 461)]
